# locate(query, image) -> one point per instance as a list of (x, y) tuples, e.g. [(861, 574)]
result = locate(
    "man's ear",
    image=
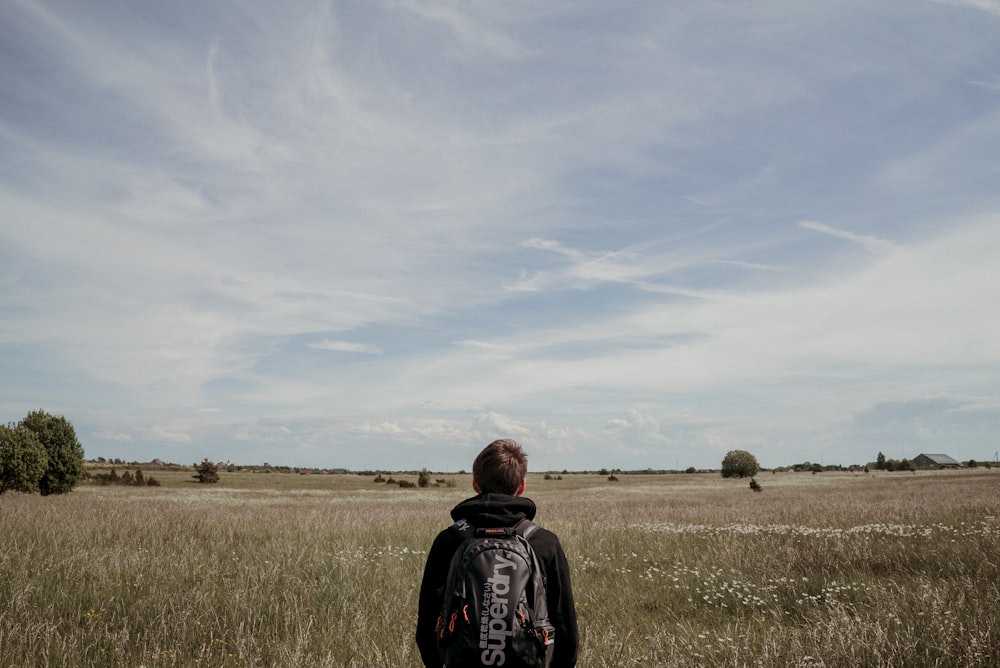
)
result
[(520, 488), (475, 485)]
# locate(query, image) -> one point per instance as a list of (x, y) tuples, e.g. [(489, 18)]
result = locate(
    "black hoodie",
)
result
[(499, 510)]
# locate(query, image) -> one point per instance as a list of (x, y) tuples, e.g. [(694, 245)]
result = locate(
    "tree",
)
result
[(424, 478), (739, 464), (22, 460), (65, 454), (206, 472), (880, 462)]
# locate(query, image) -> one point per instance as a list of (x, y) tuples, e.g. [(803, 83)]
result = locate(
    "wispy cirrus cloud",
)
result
[(988, 6), (641, 266), (870, 243)]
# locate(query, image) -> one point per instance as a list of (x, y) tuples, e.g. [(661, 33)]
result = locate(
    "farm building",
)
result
[(939, 461)]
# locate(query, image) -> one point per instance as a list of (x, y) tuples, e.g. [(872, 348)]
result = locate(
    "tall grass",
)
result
[(283, 570)]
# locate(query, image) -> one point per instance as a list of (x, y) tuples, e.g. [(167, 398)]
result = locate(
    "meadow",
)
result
[(832, 569)]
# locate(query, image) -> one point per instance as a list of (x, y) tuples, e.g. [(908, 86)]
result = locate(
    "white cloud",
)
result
[(347, 347), (381, 429), (164, 434), (495, 423), (549, 224), (118, 437)]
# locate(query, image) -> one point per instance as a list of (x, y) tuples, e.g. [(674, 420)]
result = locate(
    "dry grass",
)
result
[(682, 570)]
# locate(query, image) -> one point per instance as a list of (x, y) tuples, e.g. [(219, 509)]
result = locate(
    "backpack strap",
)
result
[(526, 527)]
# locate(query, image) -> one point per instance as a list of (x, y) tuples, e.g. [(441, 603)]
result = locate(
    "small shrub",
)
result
[(206, 472)]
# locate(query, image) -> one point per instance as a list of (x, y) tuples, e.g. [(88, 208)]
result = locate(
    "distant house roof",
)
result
[(925, 459)]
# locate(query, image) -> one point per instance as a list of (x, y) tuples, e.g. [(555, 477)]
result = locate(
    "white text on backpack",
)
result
[(493, 630)]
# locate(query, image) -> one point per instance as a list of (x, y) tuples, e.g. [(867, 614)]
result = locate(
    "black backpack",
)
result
[(493, 605)]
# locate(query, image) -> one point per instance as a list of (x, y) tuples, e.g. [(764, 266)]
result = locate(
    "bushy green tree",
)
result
[(739, 464), (64, 452), (22, 460), (424, 478)]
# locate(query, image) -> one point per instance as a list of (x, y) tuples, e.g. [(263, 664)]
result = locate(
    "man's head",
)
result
[(500, 468)]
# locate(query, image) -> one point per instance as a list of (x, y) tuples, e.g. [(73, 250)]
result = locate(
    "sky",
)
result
[(380, 234)]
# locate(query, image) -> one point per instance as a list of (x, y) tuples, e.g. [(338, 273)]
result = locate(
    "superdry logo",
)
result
[(493, 627)]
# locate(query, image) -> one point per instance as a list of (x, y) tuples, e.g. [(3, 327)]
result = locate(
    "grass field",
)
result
[(834, 569)]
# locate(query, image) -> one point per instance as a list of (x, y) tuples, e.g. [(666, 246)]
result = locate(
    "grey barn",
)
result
[(926, 460)]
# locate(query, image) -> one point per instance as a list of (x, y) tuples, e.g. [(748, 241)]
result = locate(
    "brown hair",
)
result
[(500, 467)]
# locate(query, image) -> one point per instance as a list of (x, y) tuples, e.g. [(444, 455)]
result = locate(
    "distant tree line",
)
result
[(126, 479), (883, 464)]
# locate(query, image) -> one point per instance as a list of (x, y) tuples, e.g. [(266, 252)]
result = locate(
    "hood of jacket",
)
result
[(494, 510)]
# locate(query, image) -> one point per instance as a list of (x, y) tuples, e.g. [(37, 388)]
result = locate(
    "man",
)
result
[(498, 478)]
